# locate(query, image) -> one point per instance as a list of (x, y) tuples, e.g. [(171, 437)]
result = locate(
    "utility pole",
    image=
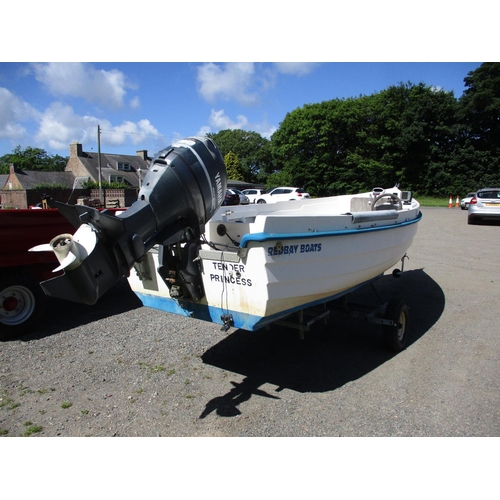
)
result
[(99, 160)]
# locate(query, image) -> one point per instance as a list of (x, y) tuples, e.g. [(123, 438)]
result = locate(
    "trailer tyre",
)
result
[(22, 302), (396, 336)]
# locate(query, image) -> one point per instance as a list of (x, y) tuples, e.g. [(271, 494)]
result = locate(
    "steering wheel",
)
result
[(394, 199)]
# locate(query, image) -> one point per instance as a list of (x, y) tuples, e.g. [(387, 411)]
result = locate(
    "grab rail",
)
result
[(373, 216)]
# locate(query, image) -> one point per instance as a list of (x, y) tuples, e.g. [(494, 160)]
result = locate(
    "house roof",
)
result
[(243, 185), (109, 166), (3, 180), (31, 178)]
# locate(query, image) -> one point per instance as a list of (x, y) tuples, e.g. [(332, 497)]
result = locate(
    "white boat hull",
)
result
[(290, 256)]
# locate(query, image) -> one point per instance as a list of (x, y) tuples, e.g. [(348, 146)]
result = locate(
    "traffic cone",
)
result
[(450, 203), (457, 204)]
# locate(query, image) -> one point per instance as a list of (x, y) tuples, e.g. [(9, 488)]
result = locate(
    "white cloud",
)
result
[(138, 132), (82, 80), (203, 131), (230, 81), (135, 102), (14, 111), (265, 129), (296, 68), (60, 126), (218, 121), (244, 82)]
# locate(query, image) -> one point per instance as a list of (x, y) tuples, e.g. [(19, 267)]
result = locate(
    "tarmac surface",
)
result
[(120, 369)]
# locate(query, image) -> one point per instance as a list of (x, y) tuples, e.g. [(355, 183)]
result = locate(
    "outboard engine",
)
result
[(183, 188)]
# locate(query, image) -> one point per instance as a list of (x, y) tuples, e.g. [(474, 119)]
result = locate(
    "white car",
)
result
[(464, 205), (253, 193), (283, 194)]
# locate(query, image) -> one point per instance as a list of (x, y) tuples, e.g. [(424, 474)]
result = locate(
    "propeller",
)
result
[(70, 250)]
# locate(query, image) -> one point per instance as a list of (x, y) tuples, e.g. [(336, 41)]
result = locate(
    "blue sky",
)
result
[(149, 105), (174, 90)]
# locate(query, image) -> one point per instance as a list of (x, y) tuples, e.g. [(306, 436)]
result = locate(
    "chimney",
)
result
[(75, 149), (11, 169), (143, 153)]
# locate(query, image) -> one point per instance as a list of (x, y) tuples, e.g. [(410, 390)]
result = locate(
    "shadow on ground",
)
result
[(330, 355), (61, 315)]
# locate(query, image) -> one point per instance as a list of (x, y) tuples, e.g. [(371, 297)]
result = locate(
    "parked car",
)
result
[(231, 198), (485, 205), (244, 200), (464, 204), (283, 194), (253, 193)]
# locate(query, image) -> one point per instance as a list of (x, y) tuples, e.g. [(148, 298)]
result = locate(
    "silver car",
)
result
[(244, 200), (485, 205)]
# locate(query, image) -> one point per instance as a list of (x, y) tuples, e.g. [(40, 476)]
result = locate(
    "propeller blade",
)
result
[(46, 247), (70, 250), (66, 262), (86, 237)]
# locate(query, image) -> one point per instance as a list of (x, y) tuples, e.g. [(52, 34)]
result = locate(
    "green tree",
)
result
[(330, 147), (478, 148), (404, 135), (233, 167), (252, 150), (301, 148), (281, 178), (418, 125), (32, 159)]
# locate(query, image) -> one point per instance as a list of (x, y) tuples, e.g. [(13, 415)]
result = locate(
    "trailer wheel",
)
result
[(22, 303), (396, 336)]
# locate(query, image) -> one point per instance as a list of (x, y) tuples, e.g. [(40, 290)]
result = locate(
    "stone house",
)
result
[(17, 189), (130, 169), (22, 188)]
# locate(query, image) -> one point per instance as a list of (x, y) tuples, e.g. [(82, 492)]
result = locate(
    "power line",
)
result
[(144, 134)]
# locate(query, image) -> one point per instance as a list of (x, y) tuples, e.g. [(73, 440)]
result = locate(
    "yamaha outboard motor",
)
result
[(183, 188)]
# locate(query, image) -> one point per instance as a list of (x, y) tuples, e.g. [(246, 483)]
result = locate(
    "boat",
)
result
[(240, 266), (261, 263)]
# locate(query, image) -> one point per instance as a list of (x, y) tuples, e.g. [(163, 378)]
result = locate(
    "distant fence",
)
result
[(115, 198), (21, 198), (112, 198)]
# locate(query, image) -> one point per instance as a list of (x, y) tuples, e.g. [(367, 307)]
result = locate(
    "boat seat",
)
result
[(360, 204)]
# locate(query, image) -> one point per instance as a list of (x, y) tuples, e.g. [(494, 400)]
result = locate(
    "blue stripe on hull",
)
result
[(213, 314), (261, 237)]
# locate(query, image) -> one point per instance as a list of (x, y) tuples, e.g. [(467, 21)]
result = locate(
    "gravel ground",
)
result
[(119, 369)]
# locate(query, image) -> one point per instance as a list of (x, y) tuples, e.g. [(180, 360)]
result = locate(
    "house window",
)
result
[(124, 166), (116, 178)]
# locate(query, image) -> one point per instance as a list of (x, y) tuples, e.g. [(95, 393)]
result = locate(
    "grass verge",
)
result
[(428, 201)]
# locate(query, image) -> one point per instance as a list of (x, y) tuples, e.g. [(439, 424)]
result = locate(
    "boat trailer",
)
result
[(393, 315)]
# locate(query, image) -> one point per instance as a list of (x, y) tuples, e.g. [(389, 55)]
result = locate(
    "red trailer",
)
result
[(21, 298)]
